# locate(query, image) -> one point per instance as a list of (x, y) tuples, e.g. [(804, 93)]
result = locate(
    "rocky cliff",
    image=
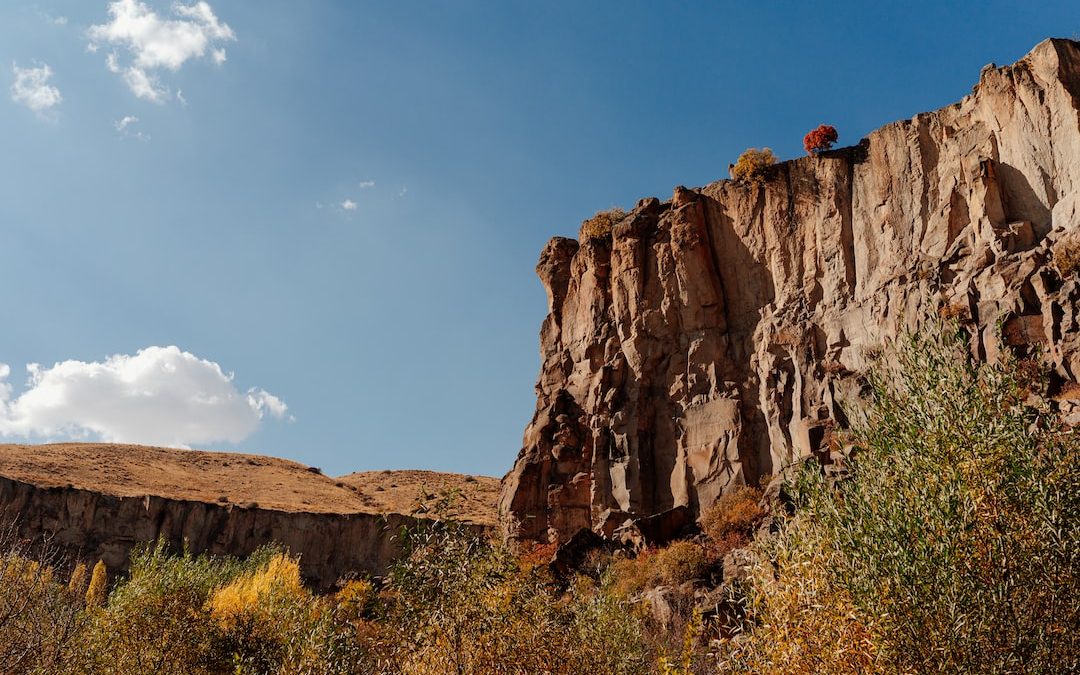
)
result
[(711, 338), (97, 501)]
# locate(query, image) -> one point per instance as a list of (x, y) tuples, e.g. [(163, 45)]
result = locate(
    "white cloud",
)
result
[(32, 89), (5, 388), (349, 205), (125, 122), (144, 86), (125, 126), (364, 184), (159, 396), (54, 20), (155, 43), (404, 191)]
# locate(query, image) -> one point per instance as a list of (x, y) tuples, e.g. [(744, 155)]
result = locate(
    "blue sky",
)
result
[(344, 207)]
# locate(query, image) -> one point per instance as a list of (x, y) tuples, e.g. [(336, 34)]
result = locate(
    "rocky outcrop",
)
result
[(710, 340), (87, 525), (96, 501)]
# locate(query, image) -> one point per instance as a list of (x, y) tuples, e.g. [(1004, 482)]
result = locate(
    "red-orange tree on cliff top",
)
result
[(820, 139)]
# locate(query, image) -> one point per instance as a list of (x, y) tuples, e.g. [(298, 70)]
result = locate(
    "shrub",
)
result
[(730, 521), (1067, 257), (599, 226), (796, 621), (751, 166), (271, 623), (97, 589), (677, 563), (39, 616), (951, 547), (683, 664), (458, 603), (820, 139), (78, 582), (357, 600), (164, 596), (213, 615), (251, 597)]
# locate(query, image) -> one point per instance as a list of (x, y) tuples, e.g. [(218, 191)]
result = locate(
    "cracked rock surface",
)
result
[(711, 339)]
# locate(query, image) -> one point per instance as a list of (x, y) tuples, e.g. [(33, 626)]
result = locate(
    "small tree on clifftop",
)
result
[(599, 226), (820, 139), (751, 165)]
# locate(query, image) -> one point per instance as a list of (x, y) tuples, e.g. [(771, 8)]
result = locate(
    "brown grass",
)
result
[(250, 480)]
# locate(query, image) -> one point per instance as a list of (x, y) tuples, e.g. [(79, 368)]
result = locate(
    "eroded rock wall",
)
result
[(710, 340), (94, 526)]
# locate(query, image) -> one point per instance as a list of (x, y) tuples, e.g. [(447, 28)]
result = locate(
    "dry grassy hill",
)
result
[(241, 479)]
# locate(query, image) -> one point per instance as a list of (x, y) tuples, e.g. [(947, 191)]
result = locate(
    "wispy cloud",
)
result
[(402, 192), (154, 43), (125, 126), (159, 396), (54, 20), (32, 89), (365, 184), (349, 205)]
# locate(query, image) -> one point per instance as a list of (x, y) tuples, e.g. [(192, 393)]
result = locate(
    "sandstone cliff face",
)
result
[(711, 339), (94, 526), (98, 500)]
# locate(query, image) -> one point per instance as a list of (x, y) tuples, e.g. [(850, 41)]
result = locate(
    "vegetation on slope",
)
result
[(950, 545)]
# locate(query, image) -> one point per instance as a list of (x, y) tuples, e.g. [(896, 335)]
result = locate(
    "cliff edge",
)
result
[(96, 501), (709, 341)]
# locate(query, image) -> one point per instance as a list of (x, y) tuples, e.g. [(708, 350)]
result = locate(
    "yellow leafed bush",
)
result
[(356, 599), (255, 594), (752, 165), (599, 226), (97, 591)]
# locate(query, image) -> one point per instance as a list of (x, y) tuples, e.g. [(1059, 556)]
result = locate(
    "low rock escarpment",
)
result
[(710, 340), (98, 501)]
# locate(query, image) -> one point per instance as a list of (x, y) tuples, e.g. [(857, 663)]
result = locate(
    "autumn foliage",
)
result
[(599, 226), (820, 139), (751, 166)]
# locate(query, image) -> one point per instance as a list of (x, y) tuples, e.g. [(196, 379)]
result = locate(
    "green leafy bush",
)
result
[(459, 603), (953, 545), (210, 615)]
